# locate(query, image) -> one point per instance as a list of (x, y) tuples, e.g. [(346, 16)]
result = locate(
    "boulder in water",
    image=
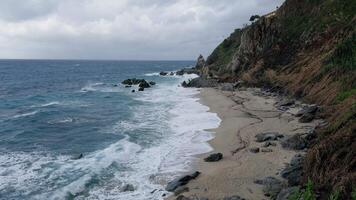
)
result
[(163, 73), (144, 84)]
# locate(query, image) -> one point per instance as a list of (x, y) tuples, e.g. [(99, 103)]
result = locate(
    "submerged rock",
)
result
[(141, 89), (214, 157), (187, 71), (152, 83), (144, 84), (163, 73), (133, 81), (128, 188), (268, 136), (133, 91), (173, 185), (80, 156)]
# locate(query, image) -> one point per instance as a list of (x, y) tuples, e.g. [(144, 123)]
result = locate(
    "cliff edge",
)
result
[(306, 49)]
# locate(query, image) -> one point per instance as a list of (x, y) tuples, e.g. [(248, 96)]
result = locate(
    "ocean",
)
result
[(51, 111)]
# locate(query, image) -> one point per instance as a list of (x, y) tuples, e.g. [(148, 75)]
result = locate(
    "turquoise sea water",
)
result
[(52, 111)]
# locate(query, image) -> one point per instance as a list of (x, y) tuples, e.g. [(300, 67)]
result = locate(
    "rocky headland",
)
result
[(284, 87)]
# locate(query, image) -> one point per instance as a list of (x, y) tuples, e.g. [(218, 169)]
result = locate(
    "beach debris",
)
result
[(295, 142), (214, 157), (235, 197), (163, 73), (128, 188), (173, 185), (254, 150), (293, 171), (271, 186), (268, 136)]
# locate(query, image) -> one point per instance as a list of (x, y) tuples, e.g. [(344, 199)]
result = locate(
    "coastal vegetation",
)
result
[(304, 49)]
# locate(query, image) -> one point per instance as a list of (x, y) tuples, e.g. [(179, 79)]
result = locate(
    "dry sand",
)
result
[(244, 114)]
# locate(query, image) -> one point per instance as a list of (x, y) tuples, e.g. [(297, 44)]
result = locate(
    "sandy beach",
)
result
[(244, 114)]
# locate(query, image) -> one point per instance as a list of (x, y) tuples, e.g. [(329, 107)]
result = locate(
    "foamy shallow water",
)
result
[(164, 132)]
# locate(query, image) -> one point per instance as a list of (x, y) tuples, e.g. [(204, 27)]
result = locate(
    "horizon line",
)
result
[(79, 59)]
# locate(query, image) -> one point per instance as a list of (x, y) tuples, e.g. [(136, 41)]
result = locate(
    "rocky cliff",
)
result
[(306, 48)]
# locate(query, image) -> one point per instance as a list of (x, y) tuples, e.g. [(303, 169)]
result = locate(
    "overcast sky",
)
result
[(121, 29)]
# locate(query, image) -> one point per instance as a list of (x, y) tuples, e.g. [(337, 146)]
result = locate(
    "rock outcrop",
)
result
[(305, 49)]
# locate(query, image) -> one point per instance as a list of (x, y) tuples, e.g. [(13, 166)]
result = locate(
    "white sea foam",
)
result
[(25, 114), (173, 114), (152, 74)]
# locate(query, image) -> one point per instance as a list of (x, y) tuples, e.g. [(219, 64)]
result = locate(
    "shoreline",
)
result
[(243, 114)]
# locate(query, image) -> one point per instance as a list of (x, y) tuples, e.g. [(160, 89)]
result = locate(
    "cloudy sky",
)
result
[(121, 29)]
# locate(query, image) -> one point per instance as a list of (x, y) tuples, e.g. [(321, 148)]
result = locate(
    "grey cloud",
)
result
[(120, 29)]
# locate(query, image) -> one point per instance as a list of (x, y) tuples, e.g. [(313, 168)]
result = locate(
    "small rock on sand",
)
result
[(254, 150), (268, 136), (214, 157), (173, 185)]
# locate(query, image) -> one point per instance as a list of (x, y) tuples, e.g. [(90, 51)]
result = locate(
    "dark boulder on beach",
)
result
[(293, 172), (271, 186), (214, 157), (307, 117), (268, 136), (311, 109), (173, 185), (295, 142), (254, 150)]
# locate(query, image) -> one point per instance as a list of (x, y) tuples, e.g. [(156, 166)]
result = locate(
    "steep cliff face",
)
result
[(307, 48)]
